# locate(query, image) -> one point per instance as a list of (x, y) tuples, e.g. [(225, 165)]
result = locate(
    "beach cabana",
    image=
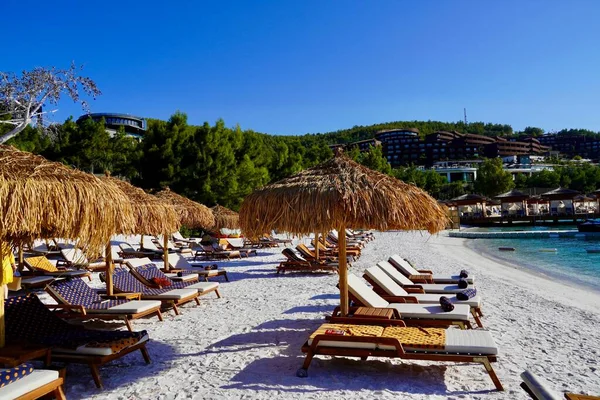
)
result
[(191, 214), (471, 205), (41, 199), (152, 216), (513, 202), (584, 204), (339, 194), (561, 200), (537, 206)]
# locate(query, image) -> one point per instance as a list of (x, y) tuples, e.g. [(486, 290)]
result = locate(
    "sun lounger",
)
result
[(126, 282), (147, 272), (32, 282), (178, 263), (44, 247), (147, 245), (172, 247), (385, 286), (178, 238), (425, 275), (75, 258), (538, 389), (29, 321), (41, 265), (430, 344), (329, 245), (27, 383), (212, 252), (295, 262), (239, 245), (412, 314), (311, 256), (127, 251), (350, 242), (413, 287), (78, 300)]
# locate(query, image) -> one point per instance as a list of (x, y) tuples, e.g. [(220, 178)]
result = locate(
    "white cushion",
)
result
[(67, 273), (394, 273), (177, 261), (432, 298), (442, 288), (183, 278), (452, 279), (138, 262), (74, 256), (131, 307), (204, 286), (148, 244), (365, 294), (36, 379), (36, 280), (175, 294), (461, 312), (385, 282), (408, 270), (93, 351), (236, 242), (470, 341), (539, 387)]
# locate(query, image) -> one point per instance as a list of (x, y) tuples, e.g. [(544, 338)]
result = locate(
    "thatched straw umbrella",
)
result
[(225, 218), (339, 194), (44, 199), (191, 214), (152, 216)]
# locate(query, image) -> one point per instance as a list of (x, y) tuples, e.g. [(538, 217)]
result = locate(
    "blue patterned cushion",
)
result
[(126, 282), (14, 374), (27, 319), (151, 271), (76, 292), (466, 294), (446, 304)]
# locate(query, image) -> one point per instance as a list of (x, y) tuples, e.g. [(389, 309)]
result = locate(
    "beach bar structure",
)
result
[(561, 201), (585, 204), (513, 202)]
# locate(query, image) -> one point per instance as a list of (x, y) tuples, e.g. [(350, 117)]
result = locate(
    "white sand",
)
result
[(247, 344)]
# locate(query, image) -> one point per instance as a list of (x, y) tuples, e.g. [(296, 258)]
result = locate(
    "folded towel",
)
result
[(466, 294), (462, 283), (464, 273), (446, 304), (162, 282)]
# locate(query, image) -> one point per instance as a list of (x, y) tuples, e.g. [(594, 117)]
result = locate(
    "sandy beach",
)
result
[(246, 345)]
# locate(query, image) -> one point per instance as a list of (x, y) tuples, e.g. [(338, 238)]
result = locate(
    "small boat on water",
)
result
[(506, 248), (593, 250), (548, 250), (591, 225)]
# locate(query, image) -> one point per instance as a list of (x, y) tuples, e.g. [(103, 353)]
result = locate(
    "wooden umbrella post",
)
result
[(343, 272), (109, 270), (317, 245), (2, 333), (20, 264), (166, 251)]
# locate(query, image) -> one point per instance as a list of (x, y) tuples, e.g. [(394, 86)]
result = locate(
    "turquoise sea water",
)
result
[(571, 261)]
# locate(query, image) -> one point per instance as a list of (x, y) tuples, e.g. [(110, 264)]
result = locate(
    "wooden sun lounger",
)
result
[(422, 275), (391, 347), (294, 262), (538, 389), (38, 384)]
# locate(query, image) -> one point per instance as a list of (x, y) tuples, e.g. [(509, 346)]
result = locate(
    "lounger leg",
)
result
[(303, 371), (226, 277), (468, 325), (128, 323), (479, 312), (176, 309), (476, 316), (197, 301), (59, 393), (145, 354), (96, 375), (159, 313), (490, 370), (218, 294)]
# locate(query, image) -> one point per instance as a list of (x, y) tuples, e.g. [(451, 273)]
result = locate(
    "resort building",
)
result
[(573, 145), (133, 126), (364, 145)]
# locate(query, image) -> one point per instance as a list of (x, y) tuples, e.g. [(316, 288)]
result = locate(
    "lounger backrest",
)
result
[(178, 236), (403, 265), (236, 243), (75, 291), (178, 262), (40, 263), (365, 294), (114, 251), (75, 256), (385, 282), (136, 262), (305, 251), (126, 282), (539, 387), (292, 256), (40, 246), (148, 244), (394, 273)]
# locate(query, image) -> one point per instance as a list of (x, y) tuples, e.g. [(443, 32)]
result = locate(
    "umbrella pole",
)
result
[(20, 264), (343, 272), (109, 270), (166, 252), (2, 333), (317, 245)]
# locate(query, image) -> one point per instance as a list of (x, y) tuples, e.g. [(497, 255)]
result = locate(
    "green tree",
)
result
[(374, 159), (492, 179)]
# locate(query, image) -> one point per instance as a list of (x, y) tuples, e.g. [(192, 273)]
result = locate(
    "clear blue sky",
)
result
[(292, 67)]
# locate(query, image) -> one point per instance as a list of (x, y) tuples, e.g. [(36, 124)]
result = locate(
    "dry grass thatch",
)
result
[(45, 199), (339, 193), (191, 214), (225, 218), (153, 216)]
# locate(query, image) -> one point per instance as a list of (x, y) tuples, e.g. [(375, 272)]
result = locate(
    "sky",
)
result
[(295, 67)]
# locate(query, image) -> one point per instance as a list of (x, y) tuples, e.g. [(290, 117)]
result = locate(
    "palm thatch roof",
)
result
[(560, 194), (470, 199), (225, 218), (512, 195), (339, 193), (152, 215), (190, 213), (44, 199)]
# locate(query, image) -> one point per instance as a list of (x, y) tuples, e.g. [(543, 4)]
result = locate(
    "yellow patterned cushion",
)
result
[(350, 330), (419, 338), (41, 263)]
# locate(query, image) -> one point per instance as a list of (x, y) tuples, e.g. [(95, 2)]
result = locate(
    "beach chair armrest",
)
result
[(78, 308), (413, 288), (401, 299), (121, 296), (62, 263), (421, 278), (425, 271)]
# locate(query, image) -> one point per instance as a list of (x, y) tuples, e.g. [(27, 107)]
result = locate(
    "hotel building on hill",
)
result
[(133, 126)]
